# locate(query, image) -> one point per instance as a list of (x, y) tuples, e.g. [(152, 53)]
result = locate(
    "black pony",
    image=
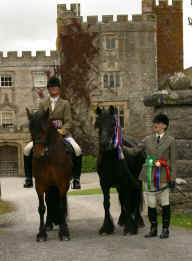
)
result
[(119, 173)]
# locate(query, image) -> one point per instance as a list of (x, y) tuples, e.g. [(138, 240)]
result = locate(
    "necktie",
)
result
[(158, 139), (52, 105)]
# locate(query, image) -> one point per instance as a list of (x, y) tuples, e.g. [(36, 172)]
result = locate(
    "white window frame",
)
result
[(6, 119), (108, 76), (40, 79), (7, 82)]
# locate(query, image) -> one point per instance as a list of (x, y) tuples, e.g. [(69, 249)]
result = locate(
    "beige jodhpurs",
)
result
[(154, 197)]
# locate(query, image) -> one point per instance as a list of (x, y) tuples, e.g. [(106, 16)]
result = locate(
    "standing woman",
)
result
[(158, 173)]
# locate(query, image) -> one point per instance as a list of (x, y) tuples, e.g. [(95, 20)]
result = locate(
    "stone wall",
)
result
[(134, 58), (22, 94)]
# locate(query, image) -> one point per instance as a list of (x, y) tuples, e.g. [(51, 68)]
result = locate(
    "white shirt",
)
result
[(161, 135), (53, 102)]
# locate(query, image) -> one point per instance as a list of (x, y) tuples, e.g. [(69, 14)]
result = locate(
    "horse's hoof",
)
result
[(66, 238), (63, 237), (41, 237), (106, 231), (126, 231)]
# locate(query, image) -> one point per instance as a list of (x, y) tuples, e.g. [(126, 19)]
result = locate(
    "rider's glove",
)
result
[(60, 131)]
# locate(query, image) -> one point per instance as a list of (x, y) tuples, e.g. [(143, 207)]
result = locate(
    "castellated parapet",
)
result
[(27, 57)]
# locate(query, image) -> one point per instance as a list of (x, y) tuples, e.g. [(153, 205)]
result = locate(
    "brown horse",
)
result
[(52, 167)]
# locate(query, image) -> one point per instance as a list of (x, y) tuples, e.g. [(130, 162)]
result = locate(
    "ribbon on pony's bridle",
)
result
[(118, 137)]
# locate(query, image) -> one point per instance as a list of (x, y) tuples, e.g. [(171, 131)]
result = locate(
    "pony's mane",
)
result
[(36, 119)]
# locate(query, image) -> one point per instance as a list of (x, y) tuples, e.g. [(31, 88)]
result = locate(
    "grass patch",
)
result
[(180, 220), (88, 164), (89, 192), (6, 207)]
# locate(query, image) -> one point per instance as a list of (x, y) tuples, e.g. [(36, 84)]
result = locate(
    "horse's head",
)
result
[(106, 123), (38, 126)]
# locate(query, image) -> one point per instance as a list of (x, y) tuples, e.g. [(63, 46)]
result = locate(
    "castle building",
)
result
[(135, 56)]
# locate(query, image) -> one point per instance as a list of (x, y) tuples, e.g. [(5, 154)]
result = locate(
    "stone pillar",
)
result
[(176, 101)]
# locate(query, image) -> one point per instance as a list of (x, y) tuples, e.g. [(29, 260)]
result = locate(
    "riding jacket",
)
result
[(62, 112), (164, 149)]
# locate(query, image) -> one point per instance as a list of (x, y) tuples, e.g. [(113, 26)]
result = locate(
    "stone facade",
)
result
[(20, 93), (129, 65)]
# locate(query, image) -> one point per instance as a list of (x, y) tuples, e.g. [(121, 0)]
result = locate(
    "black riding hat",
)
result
[(161, 118), (53, 81)]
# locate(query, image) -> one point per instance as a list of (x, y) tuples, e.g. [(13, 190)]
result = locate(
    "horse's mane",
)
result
[(37, 119)]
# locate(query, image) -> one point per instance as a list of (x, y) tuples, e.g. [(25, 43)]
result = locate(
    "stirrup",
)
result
[(76, 184)]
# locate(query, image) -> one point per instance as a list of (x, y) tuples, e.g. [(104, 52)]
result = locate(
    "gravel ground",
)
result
[(18, 232)]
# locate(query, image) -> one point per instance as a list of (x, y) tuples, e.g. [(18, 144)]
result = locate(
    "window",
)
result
[(6, 119), (6, 81), (40, 79), (110, 44), (105, 79), (111, 80)]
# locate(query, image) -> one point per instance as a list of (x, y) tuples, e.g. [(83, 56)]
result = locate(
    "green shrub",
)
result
[(89, 164)]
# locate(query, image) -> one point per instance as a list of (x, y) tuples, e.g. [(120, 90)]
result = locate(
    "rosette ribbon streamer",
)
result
[(118, 138), (150, 160), (162, 163)]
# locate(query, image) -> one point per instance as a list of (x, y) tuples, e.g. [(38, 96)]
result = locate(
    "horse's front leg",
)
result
[(108, 226), (63, 227), (42, 235)]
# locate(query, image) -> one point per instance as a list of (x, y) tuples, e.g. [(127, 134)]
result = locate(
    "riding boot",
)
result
[(28, 171), (166, 216), (152, 214), (76, 172)]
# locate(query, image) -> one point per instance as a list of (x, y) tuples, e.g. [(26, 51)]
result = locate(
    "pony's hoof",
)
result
[(41, 237), (63, 237), (127, 231), (106, 231)]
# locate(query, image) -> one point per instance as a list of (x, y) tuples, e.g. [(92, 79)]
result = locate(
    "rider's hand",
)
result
[(60, 131)]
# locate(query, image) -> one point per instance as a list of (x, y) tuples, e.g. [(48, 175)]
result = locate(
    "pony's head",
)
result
[(38, 126), (106, 123)]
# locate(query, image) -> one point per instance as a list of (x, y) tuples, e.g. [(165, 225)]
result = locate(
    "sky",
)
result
[(31, 25)]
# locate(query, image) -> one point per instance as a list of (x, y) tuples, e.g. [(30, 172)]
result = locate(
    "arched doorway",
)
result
[(8, 161)]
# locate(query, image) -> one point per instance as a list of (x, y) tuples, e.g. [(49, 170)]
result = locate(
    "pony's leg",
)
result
[(122, 217), (139, 206), (108, 226), (130, 225), (42, 235), (63, 227)]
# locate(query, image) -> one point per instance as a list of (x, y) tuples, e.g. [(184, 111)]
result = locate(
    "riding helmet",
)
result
[(161, 118), (53, 81)]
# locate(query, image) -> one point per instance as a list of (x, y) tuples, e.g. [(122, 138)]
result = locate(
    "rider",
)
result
[(158, 173), (60, 113)]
